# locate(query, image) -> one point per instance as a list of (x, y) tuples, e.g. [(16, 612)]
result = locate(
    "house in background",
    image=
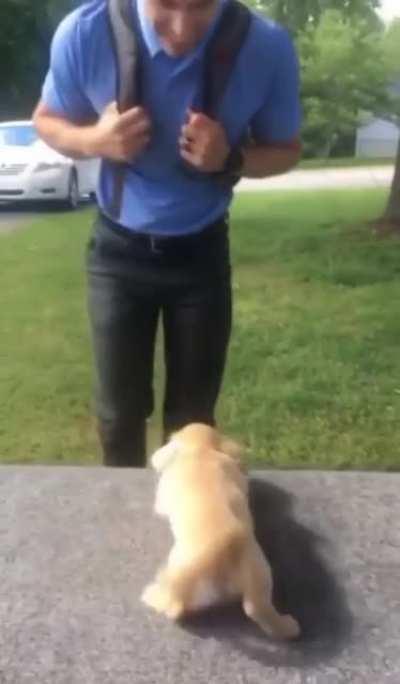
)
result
[(378, 138)]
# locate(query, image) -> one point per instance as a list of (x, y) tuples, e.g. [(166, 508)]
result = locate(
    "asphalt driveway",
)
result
[(323, 179), (13, 216), (17, 215)]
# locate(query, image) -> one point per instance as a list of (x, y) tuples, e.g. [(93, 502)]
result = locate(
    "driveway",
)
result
[(10, 219), (17, 215), (320, 179)]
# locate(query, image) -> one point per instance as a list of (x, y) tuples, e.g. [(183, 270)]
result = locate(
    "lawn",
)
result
[(313, 375)]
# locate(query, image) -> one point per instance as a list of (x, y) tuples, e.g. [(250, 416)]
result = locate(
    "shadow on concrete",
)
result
[(303, 586)]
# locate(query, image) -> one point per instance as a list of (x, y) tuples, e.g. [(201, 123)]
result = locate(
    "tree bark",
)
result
[(389, 223), (392, 212)]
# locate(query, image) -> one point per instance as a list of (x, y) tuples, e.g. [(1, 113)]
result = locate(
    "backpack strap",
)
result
[(220, 59), (222, 52), (126, 51)]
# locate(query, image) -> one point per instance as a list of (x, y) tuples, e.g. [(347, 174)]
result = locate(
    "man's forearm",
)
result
[(76, 141), (120, 137), (261, 161)]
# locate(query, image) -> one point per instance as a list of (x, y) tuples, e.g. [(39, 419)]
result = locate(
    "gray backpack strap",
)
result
[(125, 45), (220, 58), (222, 52)]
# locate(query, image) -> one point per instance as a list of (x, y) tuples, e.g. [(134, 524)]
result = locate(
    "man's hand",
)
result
[(121, 137), (203, 143)]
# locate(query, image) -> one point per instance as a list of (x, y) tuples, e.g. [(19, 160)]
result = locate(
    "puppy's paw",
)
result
[(153, 597), (289, 628), (156, 597), (175, 610)]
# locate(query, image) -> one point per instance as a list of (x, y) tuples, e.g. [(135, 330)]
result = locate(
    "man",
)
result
[(168, 252)]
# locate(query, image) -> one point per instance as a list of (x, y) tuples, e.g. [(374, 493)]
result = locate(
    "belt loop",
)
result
[(153, 245)]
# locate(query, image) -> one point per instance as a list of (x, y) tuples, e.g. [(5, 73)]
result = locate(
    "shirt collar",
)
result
[(150, 35), (152, 39)]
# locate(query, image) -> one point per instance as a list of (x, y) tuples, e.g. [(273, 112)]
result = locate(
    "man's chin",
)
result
[(177, 50)]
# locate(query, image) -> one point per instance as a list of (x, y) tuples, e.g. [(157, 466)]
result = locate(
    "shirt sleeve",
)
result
[(279, 118), (63, 90)]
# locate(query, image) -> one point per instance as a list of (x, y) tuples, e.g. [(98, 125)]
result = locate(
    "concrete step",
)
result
[(77, 546)]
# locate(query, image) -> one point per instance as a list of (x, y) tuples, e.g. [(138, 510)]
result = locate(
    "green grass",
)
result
[(336, 162), (313, 375)]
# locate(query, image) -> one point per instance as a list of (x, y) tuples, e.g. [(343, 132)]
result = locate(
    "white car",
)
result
[(31, 170)]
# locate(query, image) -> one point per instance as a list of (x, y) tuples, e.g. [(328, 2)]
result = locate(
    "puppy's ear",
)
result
[(233, 449), (230, 447), (164, 455)]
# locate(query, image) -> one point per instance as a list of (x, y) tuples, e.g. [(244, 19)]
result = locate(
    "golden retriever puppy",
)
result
[(215, 558)]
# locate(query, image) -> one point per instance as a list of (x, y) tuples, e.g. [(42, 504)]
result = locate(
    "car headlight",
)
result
[(48, 166)]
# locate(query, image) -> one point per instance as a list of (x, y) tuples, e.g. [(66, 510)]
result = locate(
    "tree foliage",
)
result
[(346, 59), (391, 49), (343, 75), (25, 33), (298, 15)]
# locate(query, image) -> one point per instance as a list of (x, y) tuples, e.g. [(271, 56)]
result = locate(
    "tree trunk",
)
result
[(392, 213), (389, 223)]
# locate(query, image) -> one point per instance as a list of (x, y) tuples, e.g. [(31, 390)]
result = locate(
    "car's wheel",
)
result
[(73, 191)]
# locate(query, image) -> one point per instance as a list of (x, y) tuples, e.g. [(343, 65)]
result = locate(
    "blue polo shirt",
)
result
[(159, 198)]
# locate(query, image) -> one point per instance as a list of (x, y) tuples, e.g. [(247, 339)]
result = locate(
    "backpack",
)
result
[(220, 57)]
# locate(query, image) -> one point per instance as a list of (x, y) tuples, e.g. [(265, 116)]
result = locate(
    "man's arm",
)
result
[(120, 137), (274, 129), (65, 116), (76, 141), (204, 144), (261, 161)]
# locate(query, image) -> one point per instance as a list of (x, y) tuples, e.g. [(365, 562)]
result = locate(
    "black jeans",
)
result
[(132, 279)]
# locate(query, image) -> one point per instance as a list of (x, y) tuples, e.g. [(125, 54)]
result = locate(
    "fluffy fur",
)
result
[(215, 558)]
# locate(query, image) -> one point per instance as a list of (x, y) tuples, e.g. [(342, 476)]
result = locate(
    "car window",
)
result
[(22, 136)]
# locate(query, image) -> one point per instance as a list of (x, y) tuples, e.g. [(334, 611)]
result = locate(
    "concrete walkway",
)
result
[(319, 179), (77, 546)]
